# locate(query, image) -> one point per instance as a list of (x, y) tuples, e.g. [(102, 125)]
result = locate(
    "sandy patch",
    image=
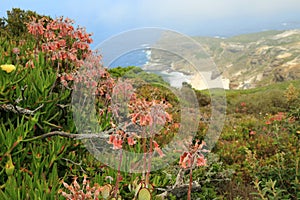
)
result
[(286, 34), (284, 55)]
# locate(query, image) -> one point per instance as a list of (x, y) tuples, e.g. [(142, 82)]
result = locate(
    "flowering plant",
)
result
[(8, 68)]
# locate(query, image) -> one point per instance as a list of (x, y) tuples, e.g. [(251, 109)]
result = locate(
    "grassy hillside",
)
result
[(256, 59)]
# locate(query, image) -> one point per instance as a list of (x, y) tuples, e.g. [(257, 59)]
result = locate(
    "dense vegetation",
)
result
[(256, 157)]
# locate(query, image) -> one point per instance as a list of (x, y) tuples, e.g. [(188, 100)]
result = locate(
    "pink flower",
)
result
[(143, 120), (268, 122), (69, 77), (185, 160), (62, 42), (252, 133), (243, 104), (16, 50), (131, 141), (117, 143), (157, 149), (201, 161), (36, 28), (111, 139), (29, 64), (278, 117), (134, 117)]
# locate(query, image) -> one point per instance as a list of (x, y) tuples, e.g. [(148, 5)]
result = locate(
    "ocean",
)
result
[(137, 58), (141, 57)]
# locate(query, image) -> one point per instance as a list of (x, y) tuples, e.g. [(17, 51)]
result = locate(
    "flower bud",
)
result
[(9, 167)]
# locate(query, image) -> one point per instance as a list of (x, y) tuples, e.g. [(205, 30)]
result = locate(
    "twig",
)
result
[(19, 110), (74, 163), (179, 178), (63, 106), (53, 133), (179, 191), (72, 136), (102, 134)]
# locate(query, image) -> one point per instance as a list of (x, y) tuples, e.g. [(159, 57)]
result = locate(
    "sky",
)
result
[(106, 18)]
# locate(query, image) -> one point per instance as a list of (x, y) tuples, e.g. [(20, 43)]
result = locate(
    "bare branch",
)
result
[(179, 191), (19, 110), (102, 134), (74, 163), (53, 133)]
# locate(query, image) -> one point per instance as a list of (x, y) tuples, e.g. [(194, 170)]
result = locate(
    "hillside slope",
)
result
[(256, 59)]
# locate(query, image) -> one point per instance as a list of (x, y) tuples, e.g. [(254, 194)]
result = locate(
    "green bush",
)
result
[(14, 26)]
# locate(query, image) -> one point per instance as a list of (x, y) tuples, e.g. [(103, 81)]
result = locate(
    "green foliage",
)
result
[(203, 99), (32, 102), (136, 74), (269, 190), (144, 194), (270, 101), (38, 164), (15, 23), (292, 95)]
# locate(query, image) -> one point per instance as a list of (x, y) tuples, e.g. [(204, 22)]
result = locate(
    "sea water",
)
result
[(136, 58), (141, 57)]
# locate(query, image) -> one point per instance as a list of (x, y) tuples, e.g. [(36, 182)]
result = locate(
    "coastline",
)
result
[(176, 71)]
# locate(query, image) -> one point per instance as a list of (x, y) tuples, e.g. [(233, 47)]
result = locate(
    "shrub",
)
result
[(14, 26)]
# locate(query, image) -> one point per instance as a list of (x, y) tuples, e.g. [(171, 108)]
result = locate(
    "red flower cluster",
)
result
[(116, 141), (241, 108), (194, 156), (86, 191), (243, 104), (60, 40), (149, 112), (130, 110), (36, 27), (278, 117)]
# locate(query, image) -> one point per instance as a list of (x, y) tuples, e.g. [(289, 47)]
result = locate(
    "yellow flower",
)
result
[(8, 68), (298, 132)]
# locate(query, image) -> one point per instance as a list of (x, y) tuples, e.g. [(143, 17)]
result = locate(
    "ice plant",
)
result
[(8, 68)]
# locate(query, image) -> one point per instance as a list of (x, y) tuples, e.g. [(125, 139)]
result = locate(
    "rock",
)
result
[(278, 77)]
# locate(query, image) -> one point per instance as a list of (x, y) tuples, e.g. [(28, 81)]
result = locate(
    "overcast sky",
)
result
[(105, 18)]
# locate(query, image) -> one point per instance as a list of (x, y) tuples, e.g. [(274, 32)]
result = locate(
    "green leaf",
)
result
[(106, 191), (144, 194)]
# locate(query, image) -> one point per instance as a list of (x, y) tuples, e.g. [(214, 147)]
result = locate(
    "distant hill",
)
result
[(256, 59), (243, 61)]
